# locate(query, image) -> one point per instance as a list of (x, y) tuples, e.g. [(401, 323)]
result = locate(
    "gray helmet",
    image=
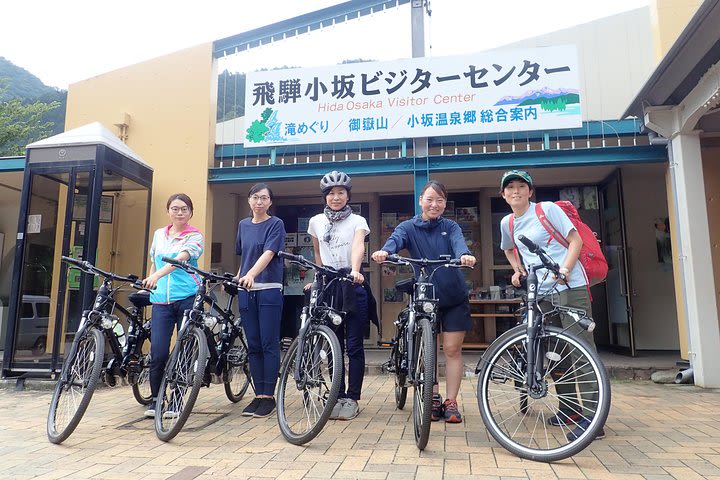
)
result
[(335, 179)]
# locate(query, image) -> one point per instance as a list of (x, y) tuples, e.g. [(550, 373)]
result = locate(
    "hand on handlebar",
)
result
[(517, 278), (468, 260), (150, 282), (246, 281), (379, 256), (357, 277)]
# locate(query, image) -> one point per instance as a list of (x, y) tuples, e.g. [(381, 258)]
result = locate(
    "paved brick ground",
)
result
[(654, 432)]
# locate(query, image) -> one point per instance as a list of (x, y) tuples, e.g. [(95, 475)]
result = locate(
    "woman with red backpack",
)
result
[(547, 225)]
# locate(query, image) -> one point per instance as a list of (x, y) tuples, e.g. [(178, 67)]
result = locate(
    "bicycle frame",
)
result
[(102, 315)]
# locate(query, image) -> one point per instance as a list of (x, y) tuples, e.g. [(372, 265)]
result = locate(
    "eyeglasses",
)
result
[(259, 198), (179, 209)]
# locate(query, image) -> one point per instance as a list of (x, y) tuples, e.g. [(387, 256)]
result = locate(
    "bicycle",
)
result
[(310, 374), (414, 347), (520, 371), (83, 366), (210, 348)]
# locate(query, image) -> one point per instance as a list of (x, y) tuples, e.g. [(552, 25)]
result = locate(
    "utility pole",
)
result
[(420, 145)]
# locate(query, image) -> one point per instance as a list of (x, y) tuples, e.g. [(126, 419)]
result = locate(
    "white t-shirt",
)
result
[(338, 252), (529, 225)]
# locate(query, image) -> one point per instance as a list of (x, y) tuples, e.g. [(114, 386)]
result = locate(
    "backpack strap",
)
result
[(511, 224), (554, 232)]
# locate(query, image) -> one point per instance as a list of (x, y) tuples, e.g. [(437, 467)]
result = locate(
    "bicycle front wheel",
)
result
[(304, 406), (181, 384), (570, 376), (237, 369), (76, 385), (425, 352)]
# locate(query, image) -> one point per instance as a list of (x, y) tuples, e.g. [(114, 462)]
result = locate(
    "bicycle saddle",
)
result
[(140, 299), (405, 286)]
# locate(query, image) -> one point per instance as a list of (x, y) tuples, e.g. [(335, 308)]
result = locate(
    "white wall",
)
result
[(653, 292), (616, 57)]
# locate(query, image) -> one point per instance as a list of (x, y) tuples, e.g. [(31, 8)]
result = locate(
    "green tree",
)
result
[(22, 123)]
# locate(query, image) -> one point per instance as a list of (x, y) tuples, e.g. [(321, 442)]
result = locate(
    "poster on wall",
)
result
[(290, 240), (506, 90)]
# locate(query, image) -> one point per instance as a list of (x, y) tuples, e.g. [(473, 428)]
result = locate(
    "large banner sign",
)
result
[(500, 91)]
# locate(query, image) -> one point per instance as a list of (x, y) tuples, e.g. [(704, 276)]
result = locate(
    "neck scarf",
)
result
[(335, 216)]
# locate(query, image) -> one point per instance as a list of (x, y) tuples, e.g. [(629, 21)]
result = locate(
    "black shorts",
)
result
[(455, 318)]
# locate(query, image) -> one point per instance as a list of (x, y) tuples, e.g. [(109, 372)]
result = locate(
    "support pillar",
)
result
[(695, 250)]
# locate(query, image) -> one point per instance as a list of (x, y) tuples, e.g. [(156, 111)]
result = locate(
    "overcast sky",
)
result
[(63, 42)]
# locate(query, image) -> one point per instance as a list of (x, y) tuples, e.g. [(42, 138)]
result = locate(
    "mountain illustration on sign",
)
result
[(267, 129), (549, 99)]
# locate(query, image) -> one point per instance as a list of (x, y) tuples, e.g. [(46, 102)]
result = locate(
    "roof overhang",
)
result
[(695, 51)]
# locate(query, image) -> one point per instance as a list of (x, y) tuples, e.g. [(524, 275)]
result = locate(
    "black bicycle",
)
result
[(210, 348), (310, 374), (83, 366), (414, 348), (534, 367)]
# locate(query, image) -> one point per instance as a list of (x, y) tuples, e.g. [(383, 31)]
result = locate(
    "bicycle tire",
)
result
[(425, 352), (303, 410), (236, 378), (79, 377), (141, 385), (528, 434), (181, 383), (399, 349)]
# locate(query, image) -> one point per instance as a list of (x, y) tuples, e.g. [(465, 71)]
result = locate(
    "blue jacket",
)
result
[(430, 239)]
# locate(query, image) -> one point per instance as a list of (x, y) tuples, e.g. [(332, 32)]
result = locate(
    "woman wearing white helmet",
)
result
[(339, 242)]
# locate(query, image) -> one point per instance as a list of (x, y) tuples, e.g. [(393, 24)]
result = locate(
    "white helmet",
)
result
[(335, 179)]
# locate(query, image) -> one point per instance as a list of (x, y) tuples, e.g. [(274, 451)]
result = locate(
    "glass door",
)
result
[(620, 325), (41, 332)]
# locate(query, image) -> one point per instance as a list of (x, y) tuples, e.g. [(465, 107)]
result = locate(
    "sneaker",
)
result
[(171, 414), (150, 412), (349, 409), (265, 409), (562, 418), (436, 412), (451, 412), (583, 425), (335, 414), (249, 411)]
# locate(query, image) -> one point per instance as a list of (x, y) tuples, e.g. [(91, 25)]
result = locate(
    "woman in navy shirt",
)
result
[(259, 239)]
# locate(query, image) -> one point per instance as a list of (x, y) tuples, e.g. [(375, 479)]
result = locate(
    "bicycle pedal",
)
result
[(385, 344), (387, 367)]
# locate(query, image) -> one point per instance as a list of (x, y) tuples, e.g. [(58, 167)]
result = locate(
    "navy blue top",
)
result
[(254, 239), (430, 239)]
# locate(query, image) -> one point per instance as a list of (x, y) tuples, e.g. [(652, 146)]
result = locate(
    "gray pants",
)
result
[(573, 397)]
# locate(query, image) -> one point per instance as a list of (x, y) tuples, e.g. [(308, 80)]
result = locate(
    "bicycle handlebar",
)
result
[(88, 267), (299, 259), (184, 265), (546, 261), (425, 262)]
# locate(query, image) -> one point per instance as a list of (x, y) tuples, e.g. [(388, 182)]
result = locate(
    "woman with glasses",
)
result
[(429, 235), (338, 237), (259, 238), (174, 288)]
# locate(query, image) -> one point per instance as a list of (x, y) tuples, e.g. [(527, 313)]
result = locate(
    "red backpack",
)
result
[(591, 256)]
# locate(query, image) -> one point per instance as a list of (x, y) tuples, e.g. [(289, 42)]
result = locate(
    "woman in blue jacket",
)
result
[(429, 235)]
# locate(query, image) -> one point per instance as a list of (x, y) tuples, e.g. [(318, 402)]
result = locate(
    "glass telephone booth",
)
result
[(86, 195)]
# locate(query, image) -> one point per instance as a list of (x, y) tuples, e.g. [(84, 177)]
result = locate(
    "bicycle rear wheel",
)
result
[(181, 384), (141, 382), (76, 385), (517, 418), (304, 407), (399, 350), (425, 352), (237, 369)]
